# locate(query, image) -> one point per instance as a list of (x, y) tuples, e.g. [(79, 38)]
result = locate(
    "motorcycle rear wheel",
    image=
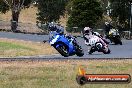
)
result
[(106, 51), (79, 51)]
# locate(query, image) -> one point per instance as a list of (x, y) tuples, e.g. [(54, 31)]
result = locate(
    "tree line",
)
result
[(81, 13)]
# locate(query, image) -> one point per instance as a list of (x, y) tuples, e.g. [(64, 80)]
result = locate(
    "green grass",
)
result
[(8, 46), (59, 74), (14, 48)]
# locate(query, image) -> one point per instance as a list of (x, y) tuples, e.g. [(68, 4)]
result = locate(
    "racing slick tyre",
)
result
[(106, 51), (79, 51), (118, 41), (63, 50)]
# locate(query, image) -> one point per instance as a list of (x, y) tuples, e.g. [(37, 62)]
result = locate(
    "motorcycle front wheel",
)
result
[(63, 50)]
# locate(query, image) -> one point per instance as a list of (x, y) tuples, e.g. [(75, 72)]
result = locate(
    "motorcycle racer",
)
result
[(107, 28), (55, 29), (58, 29), (66, 45), (88, 34)]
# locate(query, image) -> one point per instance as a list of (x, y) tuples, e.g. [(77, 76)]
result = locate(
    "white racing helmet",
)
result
[(87, 30)]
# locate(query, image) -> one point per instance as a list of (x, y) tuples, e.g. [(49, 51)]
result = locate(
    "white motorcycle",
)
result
[(97, 45), (100, 36)]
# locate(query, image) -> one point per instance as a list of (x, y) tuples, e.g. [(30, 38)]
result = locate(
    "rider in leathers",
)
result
[(58, 29), (88, 34)]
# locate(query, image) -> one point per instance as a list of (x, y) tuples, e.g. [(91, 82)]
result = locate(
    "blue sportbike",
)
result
[(66, 46)]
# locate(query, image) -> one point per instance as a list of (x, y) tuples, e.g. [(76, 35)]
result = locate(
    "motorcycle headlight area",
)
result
[(54, 40)]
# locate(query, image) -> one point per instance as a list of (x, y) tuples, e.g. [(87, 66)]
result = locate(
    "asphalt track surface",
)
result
[(117, 51)]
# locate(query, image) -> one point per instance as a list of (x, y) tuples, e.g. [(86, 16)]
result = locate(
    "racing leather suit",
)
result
[(88, 37)]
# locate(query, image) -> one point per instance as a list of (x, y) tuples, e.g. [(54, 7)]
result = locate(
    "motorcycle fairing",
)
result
[(63, 39)]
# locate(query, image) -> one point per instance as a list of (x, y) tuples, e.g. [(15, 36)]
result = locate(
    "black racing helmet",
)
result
[(52, 26)]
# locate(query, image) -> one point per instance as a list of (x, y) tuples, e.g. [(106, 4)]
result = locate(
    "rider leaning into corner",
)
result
[(107, 28), (57, 29), (88, 34)]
